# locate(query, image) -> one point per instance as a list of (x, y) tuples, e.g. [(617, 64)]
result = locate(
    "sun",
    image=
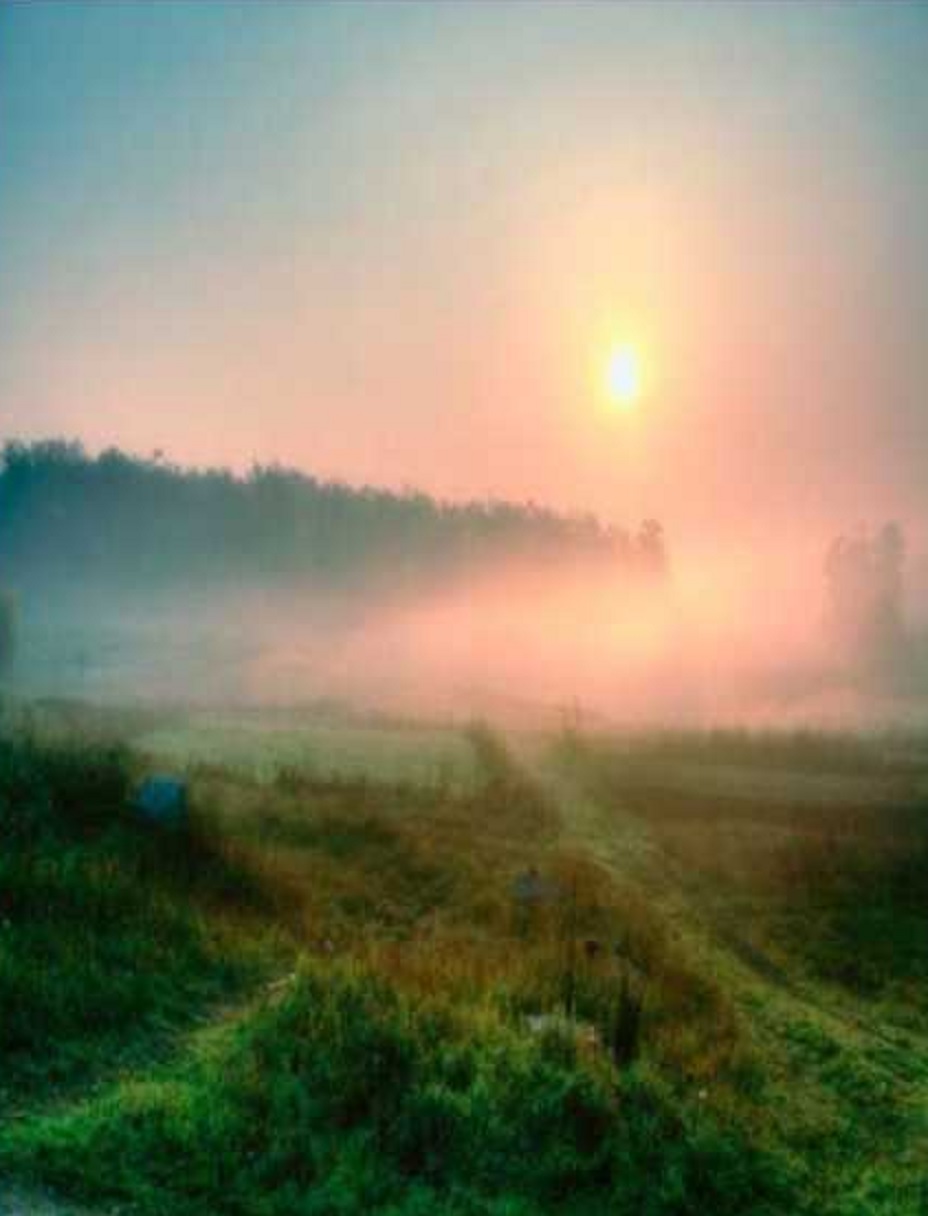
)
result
[(623, 376)]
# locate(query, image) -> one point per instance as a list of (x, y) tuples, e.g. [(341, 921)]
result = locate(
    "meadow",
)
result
[(403, 968)]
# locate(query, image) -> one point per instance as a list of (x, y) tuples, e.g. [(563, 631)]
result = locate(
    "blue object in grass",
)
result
[(162, 800)]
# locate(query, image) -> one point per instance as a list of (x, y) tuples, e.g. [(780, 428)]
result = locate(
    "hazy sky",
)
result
[(394, 242)]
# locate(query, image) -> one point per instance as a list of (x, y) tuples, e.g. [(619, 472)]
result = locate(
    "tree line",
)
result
[(147, 521)]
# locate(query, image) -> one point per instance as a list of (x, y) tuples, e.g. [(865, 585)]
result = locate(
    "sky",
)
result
[(395, 243)]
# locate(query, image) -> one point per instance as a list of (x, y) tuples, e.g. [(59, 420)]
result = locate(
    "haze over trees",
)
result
[(127, 573), (119, 518), (866, 602)]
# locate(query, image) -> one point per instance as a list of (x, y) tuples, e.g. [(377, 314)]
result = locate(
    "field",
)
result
[(408, 969)]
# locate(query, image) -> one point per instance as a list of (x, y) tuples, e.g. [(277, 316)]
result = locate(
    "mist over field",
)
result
[(136, 580), (496, 258)]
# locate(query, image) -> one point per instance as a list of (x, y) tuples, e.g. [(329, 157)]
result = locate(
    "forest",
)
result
[(123, 519)]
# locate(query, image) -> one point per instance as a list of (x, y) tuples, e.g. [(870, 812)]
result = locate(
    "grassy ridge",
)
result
[(346, 1096)]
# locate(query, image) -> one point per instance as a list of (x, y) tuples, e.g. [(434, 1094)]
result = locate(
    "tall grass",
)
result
[(347, 1097), (105, 932), (417, 883)]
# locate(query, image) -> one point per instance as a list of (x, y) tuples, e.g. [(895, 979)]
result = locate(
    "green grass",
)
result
[(720, 1008), (109, 933), (808, 905), (346, 1096)]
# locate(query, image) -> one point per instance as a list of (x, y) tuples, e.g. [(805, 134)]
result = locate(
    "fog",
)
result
[(130, 579), (394, 245), (518, 643)]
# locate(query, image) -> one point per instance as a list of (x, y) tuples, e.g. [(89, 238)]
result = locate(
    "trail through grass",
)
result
[(847, 1086)]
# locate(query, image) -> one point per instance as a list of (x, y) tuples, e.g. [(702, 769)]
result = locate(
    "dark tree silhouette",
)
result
[(118, 518)]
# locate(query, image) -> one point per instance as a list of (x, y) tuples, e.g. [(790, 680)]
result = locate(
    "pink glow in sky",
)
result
[(396, 243)]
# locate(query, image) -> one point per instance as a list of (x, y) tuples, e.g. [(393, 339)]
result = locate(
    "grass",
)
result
[(795, 751), (108, 932), (831, 883), (715, 1005), (346, 1096), (808, 905), (263, 745)]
